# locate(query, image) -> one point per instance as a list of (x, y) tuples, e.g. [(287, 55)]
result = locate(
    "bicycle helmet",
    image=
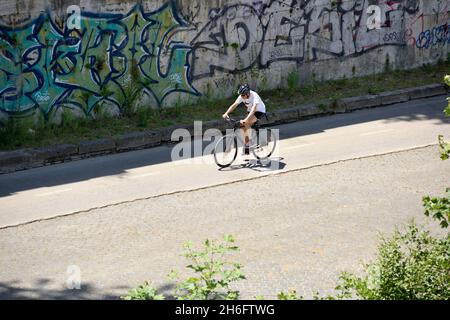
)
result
[(243, 89)]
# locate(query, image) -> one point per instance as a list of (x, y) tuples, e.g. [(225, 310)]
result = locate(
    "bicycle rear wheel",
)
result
[(267, 141), (225, 151)]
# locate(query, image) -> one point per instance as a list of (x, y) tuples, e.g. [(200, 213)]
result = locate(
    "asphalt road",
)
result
[(341, 181), (62, 189)]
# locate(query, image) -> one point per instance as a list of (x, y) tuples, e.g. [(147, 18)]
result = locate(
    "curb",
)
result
[(22, 159)]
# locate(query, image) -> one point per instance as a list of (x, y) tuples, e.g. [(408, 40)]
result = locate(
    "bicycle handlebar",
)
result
[(234, 122), (237, 123)]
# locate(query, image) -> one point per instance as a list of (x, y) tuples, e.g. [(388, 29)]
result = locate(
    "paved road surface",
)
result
[(296, 230), (81, 185)]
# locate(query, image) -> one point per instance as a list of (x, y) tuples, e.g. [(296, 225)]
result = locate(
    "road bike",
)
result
[(263, 143)]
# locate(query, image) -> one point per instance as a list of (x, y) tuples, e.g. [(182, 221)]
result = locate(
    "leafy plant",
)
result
[(131, 94), (143, 115), (134, 71), (438, 208), (86, 95), (105, 92), (14, 131), (143, 292), (322, 107), (234, 45), (444, 147), (427, 67), (290, 295), (292, 80), (172, 112), (213, 273), (410, 265)]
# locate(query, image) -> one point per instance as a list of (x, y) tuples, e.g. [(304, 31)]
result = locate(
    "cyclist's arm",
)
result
[(231, 108), (251, 113)]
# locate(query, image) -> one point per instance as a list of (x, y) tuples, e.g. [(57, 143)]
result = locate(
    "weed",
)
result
[(292, 80)]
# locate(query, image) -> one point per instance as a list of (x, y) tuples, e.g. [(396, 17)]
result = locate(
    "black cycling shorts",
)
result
[(259, 114)]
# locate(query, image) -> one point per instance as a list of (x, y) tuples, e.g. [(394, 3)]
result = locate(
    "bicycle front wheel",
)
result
[(225, 151)]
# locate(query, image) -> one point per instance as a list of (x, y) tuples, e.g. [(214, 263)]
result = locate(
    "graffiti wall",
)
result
[(94, 56)]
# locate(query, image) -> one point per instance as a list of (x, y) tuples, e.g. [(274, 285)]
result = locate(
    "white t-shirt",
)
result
[(254, 98)]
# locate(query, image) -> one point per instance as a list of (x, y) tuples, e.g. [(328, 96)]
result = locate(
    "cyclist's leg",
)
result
[(247, 126)]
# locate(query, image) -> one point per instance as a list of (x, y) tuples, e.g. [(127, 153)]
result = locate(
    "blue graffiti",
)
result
[(437, 36)]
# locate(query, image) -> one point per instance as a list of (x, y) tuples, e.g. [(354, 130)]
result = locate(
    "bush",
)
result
[(214, 273), (410, 265), (212, 279)]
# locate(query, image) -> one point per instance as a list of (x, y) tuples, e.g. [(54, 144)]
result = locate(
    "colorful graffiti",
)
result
[(43, 67), (264, 33), (44, 64)]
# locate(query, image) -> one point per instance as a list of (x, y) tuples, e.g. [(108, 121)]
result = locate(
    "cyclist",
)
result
[(255, 110)]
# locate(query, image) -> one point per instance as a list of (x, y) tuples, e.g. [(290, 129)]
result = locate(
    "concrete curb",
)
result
[(21, 159)]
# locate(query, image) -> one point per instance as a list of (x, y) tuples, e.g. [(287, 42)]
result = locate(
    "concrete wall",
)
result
[(180, 51)]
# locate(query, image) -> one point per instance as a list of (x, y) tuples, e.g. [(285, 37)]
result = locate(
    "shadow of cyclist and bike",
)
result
[(272, 164)]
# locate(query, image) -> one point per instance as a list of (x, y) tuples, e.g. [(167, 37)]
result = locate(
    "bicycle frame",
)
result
[(237, 126), (255, 147)]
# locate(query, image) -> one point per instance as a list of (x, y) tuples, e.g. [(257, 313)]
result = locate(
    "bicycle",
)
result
[(226, 149)]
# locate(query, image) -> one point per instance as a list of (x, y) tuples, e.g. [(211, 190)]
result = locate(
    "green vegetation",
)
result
[(212, 274), (293, 80), (16, 133), (143, 292), (290, 295), (234, 45), (438, 208), (410, 265), (443, 145)]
